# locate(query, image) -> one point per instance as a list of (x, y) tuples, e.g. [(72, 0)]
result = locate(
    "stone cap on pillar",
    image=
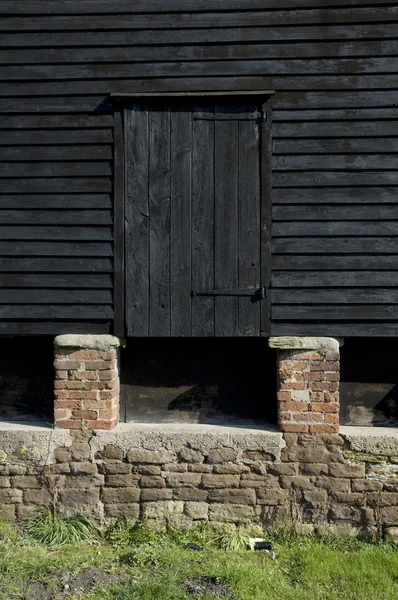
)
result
[(305, 343), (89, 342)]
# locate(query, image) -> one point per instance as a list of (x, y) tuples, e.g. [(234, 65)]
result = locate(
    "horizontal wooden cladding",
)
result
[(318, 129), (199, 68), (48, 311), (361, 262), (55, 169), (338, 114), (56, 265), (336, 296), (57, 296), (333, 279), (58, 217), (134, 54), (54, 7), (55, 104), (335, 245), (51, 232), (56, 280), (355, 98), (335, 178), (56, 136), (52, 202), (329, 313), (275, 32), (60, 184), (53, 327), (338, 228), (337, 329), (352, 195), (89, 152), (335, 213), (185, 83), (194, 20), (56, 248), (334, 146), (331, 162), (56, 121)]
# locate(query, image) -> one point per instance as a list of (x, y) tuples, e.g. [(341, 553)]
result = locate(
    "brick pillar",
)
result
[(308, 384), (86, 382)]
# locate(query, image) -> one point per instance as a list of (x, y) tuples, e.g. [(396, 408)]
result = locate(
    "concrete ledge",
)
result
[(30, 445), (91, 342), (304, 343), (379, 441)]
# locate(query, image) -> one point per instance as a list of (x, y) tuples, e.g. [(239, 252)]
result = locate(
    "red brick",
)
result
[(107, 375), (300, 385), (60, 414), (317, 376), (325, 407), (317, 397), (284, 416), (111, 355), (61, 394), (67, 365), (309, 416), (61, 374), (332, 418), (332, 376), (323, 428), (99, 365), (107, 394), (84, 354), (68, 424), (73, 385), (324, 386), (293, 405), (325, 365), (302, 375), (332, 355), (306, 355), (294, 365), (293, 428), (67, 404), (100, 424), (97, 404), (86, 375), (108, 413), (84, 414), (283, 396), (331, 396), (83, 395)]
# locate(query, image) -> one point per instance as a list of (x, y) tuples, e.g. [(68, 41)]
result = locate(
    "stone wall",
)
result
[(340, 483)]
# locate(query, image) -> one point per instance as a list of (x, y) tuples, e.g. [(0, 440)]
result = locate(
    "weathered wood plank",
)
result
[(137, 220), (336, 296), (226, 167), (49, 311), (344, 195), (36, 232), (98, 54), (334, 313), (319, 162), (332, 228), (337, 114), (55, 104), (333, 279), (53, 327), (64, 185), (335, 245), (86, 121), (334, 146), (159, 225), (56, 265), (52, 202), (335, 213), (59, 217), (337, 329), (180, 221), (55, 169), (334, 99), (340, 129), (249, 225), (363, 262), (56, 248), (52, 137), (334, 178), (203, 182), (55, 280), (31, 153), (68, 296)]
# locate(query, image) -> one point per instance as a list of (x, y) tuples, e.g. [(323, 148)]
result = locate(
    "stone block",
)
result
[(122, 480), (128, 510), (346, 470), (202, 468), (289, 469), (23, 482), (162, 509), (391, 534), (77, 500), (189, 494), (120, 495), (7, 512), (309, 469), (334, 484), (230, 469), (191, 456), (271, 497), (10, 496), (80, 451), (230, 513), (233, 496), (4, 482), (114, 468), (152, 481), (310, 454), (184, 479), (221, 455), (197, 510), (179, 522), (140, 455), (299, 482), (389, 515), (111, 452), (155, 494), (344, 512), (83, 468), (366, 485), (220, 481), (147, 469), (84, 481), (174, 468), (315, 498), (62, 455), (23, 511)]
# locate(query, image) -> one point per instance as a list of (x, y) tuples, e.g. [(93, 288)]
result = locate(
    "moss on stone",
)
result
[(362, 457)]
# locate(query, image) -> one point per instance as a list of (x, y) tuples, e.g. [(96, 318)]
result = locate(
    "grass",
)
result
[(148, 566)]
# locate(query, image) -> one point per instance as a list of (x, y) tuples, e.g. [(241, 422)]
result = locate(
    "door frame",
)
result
[(119, 102)]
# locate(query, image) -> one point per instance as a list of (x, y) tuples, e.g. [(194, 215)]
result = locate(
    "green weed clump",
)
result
[(48, 527)]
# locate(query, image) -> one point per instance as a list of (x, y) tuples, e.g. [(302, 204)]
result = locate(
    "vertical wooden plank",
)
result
[(137, 221), (226, 223), (203, 222), (159, 230), (118, 223), (249, 224), (266, 208), (180, 268)]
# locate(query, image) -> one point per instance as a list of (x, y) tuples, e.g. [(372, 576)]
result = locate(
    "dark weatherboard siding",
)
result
[(333, 66)]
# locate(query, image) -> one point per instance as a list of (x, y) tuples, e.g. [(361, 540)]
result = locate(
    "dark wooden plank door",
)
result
[(197, 218)]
